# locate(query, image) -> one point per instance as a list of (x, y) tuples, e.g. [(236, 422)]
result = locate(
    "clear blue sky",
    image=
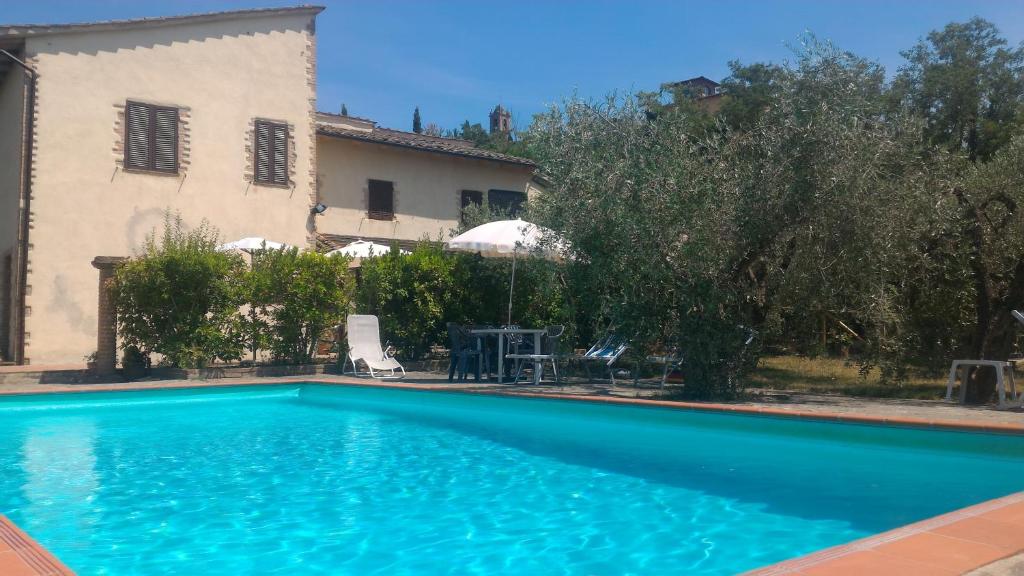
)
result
[(456, 59)]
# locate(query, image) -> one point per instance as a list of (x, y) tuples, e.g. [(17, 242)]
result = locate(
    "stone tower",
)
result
[(501, 120)]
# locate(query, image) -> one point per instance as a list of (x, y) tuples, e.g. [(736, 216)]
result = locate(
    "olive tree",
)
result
[(815, 210)]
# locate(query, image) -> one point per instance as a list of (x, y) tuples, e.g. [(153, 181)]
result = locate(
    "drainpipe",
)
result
[(26, 203)]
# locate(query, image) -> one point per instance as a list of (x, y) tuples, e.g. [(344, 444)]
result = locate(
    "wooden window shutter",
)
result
[(165, 139), (280, 163), (271, 158), (262, 152), (151, 137), (381, 201), (136, 136), (470, 198), (506, 202)]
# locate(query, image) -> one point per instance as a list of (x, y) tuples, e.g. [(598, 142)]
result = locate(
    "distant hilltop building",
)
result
[(501, 120), (706, 92)]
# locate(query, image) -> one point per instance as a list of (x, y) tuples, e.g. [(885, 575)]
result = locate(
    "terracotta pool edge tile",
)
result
[(37, 558), (985, 530), (12, 565), (875, 564), (956, 425), (822, 558), (943, 552)]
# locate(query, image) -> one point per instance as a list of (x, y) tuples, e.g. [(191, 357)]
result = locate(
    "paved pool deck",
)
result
[(768, 401), (983, 540)]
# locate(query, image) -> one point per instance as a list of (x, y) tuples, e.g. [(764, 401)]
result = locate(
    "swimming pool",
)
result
[(358, 480)]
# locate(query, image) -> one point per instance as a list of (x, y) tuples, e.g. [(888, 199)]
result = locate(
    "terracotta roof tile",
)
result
[(328, 242), (22, 30), (420, 142)]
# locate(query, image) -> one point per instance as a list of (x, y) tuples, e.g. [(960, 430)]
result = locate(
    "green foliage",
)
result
[(310, 294), (750, 90), (417, 122), (260, 286), (696, 231), (180, 298), (514, 143), (344, 109), (639, 200), (411, 295), (821, 205), (968, 84), (416, 295), (474, 133), (188, 302)]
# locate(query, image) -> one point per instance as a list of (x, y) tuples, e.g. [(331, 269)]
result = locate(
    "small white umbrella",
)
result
[(364, 249), (508, 238), (252, 243)]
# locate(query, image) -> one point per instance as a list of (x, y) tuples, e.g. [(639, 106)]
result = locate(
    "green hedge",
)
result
[(416, 295), (190, 304), (182, 299)]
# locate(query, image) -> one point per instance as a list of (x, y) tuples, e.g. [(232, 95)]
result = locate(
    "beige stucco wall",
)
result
[(428, 187), (223, 74), (12, 103)]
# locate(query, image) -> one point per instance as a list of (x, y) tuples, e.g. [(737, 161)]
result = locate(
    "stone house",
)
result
[(105, 126)]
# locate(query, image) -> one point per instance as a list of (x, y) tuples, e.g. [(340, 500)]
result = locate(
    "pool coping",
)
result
[(952, 543), (20, 554)]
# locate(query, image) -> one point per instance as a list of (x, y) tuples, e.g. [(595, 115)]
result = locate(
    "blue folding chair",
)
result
[(607, 351)]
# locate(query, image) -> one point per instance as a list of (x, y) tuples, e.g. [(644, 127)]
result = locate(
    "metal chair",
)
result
[(461, 350), (1004, 375), (549, 351)]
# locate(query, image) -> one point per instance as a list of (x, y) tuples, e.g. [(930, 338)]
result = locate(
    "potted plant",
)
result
[(90, 361), (134, 363)]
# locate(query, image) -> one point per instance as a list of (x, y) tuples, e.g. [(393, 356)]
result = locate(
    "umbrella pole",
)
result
[(511, 286)]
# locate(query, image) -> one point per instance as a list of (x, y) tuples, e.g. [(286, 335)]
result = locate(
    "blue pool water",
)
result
[(312, 479)]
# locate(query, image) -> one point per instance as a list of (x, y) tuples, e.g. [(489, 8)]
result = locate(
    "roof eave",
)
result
[(512, 160), (36, 30)]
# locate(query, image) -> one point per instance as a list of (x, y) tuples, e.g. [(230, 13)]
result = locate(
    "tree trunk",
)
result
[(997, 344)]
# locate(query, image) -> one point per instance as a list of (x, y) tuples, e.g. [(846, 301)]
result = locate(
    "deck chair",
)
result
[(364, 345), (607, 351)]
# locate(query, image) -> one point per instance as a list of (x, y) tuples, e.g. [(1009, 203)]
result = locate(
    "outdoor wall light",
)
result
[(320, 208)]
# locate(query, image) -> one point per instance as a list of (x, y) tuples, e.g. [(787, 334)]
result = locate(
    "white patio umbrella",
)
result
[(252, 243), (509, 238), (364, 249)]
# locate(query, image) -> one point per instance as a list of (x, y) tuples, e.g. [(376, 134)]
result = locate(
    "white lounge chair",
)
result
[(364, 345)]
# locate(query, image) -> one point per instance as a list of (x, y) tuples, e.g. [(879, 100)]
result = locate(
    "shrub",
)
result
[(412, 295), (416, 295), (180, 297), (306, 294)]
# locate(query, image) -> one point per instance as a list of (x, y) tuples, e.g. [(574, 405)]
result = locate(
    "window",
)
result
[(470, 198), (151, 137), (271, 153), (506, 202), (381, 203)]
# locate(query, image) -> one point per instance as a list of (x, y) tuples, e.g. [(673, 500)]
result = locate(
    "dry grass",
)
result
[(835, 376)]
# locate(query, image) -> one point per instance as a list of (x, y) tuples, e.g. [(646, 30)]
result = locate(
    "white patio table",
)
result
[(500, 333)]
